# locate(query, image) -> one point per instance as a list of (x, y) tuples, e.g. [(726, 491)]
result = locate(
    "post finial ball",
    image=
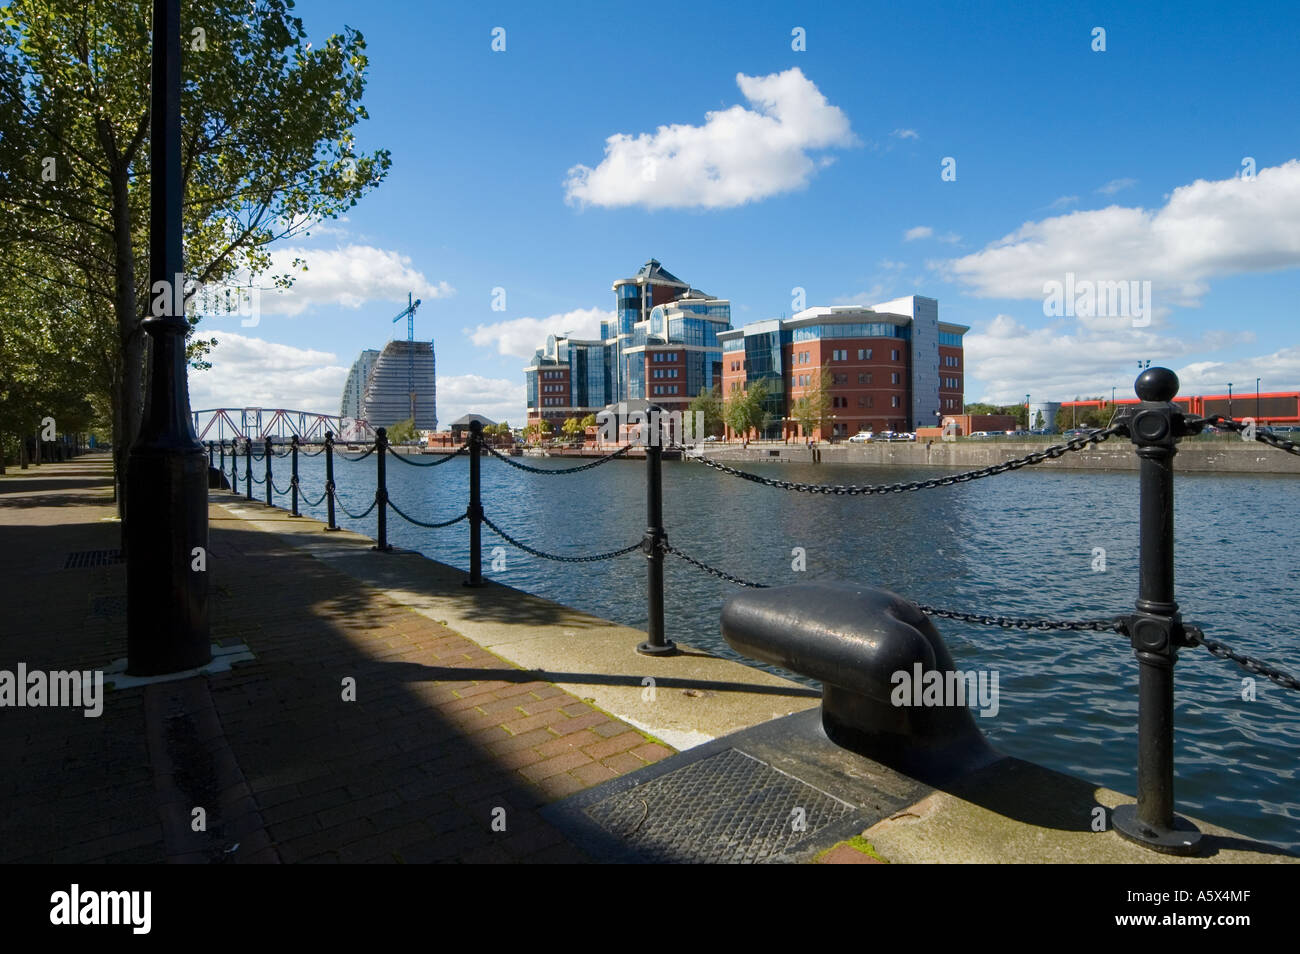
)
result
[(1156, 384)]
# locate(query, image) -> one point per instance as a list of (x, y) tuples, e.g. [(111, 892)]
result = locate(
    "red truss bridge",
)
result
[(276, 423)]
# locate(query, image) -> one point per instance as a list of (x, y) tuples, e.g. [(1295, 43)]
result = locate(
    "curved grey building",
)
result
[(354, 391), (387, 400)]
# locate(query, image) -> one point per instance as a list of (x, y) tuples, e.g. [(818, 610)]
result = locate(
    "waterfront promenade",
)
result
[(474, 709)]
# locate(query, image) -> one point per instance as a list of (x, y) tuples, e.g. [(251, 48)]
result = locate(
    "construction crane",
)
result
[(409, 314)]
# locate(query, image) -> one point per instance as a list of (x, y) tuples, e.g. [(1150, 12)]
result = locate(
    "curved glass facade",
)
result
[(870, 329)]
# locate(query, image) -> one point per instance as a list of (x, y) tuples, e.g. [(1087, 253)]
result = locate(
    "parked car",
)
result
[(1017, 433), (1075, 432), (979, 435), (1282, 430), (862, 437), (711, 439)]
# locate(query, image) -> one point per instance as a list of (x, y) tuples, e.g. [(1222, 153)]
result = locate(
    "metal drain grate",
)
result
[(88, 558), (727, 808)]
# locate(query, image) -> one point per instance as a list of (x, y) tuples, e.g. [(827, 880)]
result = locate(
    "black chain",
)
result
[(256, 480), (420, 523), (368, 452), (556, 557), (1197, 638), (355, 516), (712, 571), (276, 487), (287, 452), (1116, 624), (564, 470), (314, 503), (404, 458), (303, 453), (1050, 453), (1261, 434)]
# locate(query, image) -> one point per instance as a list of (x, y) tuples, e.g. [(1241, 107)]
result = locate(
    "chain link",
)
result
[(1196, 637), (370, 450), (556, 557), (355, 516), (1261, 434), (563, 470), (1116, 624), (420, 523), (712, 571), (276, 487), (317, 502), (303, 453), (1050, 453), (446, 457)]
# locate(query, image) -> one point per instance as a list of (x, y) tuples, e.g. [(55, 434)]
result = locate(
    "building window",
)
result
[(862, 402), (864, 379), (838, 355), (893, 401), (862, 354), (894, 355), (871, 401), (893, 378), (841, 379)]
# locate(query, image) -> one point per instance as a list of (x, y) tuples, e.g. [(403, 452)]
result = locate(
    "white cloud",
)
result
[(1205, 229), (1116, 185), (919, 232), (905, 134), (1008, 359), (349, 276), (1062, 201), (739, 155), (499, 399), (520, 337), (873, 295), (253, 372)]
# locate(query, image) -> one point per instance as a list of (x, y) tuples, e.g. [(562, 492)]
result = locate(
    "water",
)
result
[(1019, 544)]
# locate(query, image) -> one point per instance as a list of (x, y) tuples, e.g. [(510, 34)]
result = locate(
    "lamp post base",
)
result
[(1182, 838)]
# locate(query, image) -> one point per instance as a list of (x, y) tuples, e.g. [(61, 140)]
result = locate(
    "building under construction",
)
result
[(386, 398)]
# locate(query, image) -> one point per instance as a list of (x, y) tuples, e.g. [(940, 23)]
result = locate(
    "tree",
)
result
[(571, 428), (267, 151), (709, 403), (813, 407), (538, 430), (746, 410), (403, 431)]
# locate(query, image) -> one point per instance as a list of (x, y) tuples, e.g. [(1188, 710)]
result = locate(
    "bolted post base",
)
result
[(1183, 838), (669, 648)]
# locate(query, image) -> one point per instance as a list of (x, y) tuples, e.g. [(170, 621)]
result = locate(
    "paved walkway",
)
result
[(445, 743)]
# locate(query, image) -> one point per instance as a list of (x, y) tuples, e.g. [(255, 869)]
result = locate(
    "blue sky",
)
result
[(751, 169)]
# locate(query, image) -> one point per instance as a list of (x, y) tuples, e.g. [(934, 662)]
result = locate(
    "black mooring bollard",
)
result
[(657, 644), (1156, 628), (329, 481), (293, 481), (381, 489), (248, 467), (474, 511), (267, 450)]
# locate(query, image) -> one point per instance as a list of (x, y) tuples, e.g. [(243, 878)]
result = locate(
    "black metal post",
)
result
[(211, 460), (266, 449), (166, 480), (234, 465), (381, 489), (222, 469), (293, 481), (248, 467), (475, 509), (1156, 628), (329, 480), (657, 644)]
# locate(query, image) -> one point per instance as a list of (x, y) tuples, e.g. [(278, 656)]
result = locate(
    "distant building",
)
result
[(387, 397), (460, 426), (354, 390), (661, 346), (893, 366)]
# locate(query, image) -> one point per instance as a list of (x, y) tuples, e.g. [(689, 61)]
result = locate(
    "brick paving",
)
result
[(443, 738)]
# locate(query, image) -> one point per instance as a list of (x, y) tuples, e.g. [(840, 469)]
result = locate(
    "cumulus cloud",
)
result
[(905, 134), (520, 337), (738, 155), (919, 232), (1062, 201), (349, 276), (1204, 230), (496, 398), (253, 372), (1062, 361)]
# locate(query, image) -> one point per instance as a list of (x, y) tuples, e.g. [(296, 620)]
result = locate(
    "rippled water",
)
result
[(1018, 544)]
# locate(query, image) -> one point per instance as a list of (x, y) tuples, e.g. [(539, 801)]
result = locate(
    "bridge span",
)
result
[(259, 423)]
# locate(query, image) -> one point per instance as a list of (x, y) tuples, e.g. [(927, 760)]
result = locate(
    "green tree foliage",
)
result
[(267, 151), (403, 431), (709, 401), (571, 428), (745, 411), (812, 409)]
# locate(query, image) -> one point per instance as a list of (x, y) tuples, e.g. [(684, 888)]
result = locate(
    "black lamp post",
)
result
[(1229, 399), (167, 492), (1257, 400)]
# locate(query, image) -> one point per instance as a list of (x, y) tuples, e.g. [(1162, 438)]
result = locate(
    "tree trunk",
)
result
[(127, 397)]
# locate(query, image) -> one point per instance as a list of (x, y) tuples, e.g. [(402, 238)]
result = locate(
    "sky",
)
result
[(783, 155)]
